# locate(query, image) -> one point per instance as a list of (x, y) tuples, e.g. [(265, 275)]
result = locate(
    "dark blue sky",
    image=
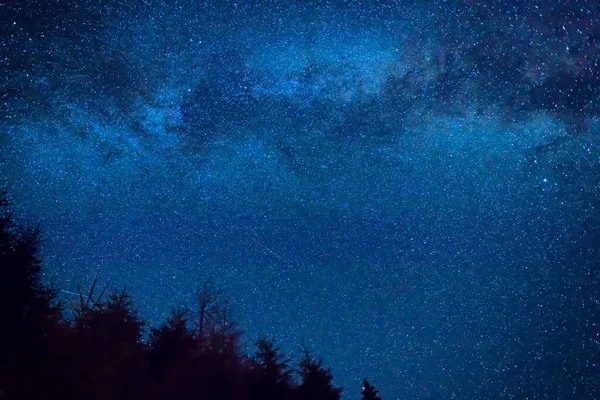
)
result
[(411, 188)]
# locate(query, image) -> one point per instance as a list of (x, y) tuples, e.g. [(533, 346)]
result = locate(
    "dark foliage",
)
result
[(28, 310), (103, 351), (317, 380), (369, 392), (171, 347), (272, 375)]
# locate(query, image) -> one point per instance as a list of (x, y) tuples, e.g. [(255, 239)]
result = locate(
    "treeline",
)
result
[(102, 349)]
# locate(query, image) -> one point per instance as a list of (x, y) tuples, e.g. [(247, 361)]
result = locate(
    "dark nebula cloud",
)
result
[(412, 188)]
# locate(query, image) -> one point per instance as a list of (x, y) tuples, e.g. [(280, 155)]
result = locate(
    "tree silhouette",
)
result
[(317, 381), (273, 374), (171, 346), (100, 350), (220, 334), (217, 332), (106, 354), (219, 363), (274, 367), (173, 352), (28, 311), (207, 308), (369, 392)]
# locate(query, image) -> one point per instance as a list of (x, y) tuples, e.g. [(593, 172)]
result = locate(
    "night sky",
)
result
[(411, 189)]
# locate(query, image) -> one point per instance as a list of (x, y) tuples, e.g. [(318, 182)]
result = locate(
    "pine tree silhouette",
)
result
[(29, 314), (106, 350), (317, 381), (369, 392), (99, 352), (171, 345), (274, 367), (273, 375), (173, 353)]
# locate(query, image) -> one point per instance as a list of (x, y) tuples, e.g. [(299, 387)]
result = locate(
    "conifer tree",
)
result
[(274, 367), (317, 381), (369, 392), (30, 318), (272, 374), (172, 345), (106, 351)]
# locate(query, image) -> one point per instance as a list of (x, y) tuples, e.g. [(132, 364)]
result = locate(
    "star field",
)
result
[(411, 189)]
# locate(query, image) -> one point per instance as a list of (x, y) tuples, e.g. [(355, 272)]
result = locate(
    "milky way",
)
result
[(412, 190)]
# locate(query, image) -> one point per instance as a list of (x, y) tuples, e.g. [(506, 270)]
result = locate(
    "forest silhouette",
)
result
[(102, 349)]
